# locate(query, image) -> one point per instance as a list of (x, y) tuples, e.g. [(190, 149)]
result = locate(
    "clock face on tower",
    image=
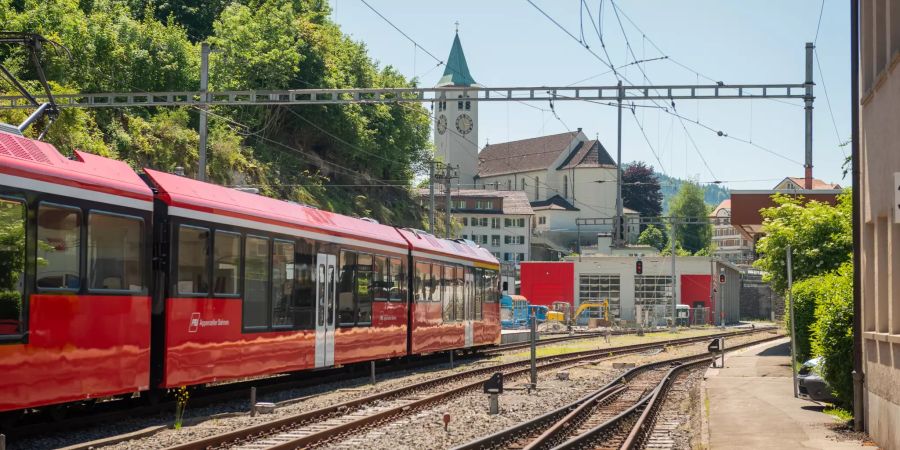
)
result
[(442, 124), (464, 124)]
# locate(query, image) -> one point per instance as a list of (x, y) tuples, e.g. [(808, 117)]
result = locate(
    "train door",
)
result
[(469, 303), (325, 308)]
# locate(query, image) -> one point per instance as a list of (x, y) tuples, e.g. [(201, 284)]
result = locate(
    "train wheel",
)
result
[(9, 419), (57, 413)]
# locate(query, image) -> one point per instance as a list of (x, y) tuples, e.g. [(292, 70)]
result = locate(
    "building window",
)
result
[(495, 222), (537, 188), (506, 256), (542, 220), (596, 288), (654, 293), (465, 221), (523, 184), (508, 185), (459, 104), (521, 257), (520, 240), (495, 240), (565, 186), (507, 239)]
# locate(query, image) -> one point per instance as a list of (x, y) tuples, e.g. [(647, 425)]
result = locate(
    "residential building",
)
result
[(745, 205), (879, 218), (500, 221), (729, 243)]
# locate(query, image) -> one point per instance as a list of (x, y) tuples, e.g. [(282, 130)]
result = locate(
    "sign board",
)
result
[(494, 384), (715, 346), (896, 197)]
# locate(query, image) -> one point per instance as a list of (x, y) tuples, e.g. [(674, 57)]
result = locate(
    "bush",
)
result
[(833, 332), (806, 295)]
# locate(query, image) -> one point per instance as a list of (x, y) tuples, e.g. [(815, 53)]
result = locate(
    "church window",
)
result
[(459, 104), (523, 184), (468, 105), (565, 186), (537, 188), (508, 185)]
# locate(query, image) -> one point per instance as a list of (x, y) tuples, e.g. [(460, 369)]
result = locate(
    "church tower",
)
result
[(456, 118)]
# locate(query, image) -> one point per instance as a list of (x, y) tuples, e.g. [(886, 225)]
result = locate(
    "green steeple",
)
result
[(456, 72)]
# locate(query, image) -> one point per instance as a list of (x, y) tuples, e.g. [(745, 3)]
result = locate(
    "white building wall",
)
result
[(470, 231)]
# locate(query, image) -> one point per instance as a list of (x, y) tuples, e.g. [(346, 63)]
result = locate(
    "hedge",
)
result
[(833, 331), (806, 294)]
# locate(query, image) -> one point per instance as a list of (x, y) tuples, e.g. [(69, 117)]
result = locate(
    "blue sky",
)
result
[(509, 43)]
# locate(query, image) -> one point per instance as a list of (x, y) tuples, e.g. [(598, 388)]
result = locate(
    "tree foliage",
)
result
[(640, 189), (290, 153), (833, 331), (819, 234), (688, 203), (653, 237)]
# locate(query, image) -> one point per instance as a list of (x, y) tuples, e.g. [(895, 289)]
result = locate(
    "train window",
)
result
[(320, 312), (114, 252), (397, 284), (59, 244), (422, 282), (282, 283), (381, 279), (226, 262), (447, 297), (479, 292), (364, 288), (459, 295), (492, 289), (304, 296), (346, 311), (12, 266), (434, 291), (256, 282), (193, 247)]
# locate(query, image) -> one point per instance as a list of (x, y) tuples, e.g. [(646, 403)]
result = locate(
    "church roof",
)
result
[(539, 154), (456, 72)]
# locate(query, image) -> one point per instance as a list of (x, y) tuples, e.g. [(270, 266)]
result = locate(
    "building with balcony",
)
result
[(729, 243)]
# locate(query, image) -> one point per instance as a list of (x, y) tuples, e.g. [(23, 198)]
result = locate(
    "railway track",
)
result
[(620, 415), (337, 422)]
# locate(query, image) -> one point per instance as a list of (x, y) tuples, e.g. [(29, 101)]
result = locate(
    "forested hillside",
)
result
[(669, 186), (366, 155)]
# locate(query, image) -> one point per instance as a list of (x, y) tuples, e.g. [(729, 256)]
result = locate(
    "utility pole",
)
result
[(674, 277), (449, 203), (618, 239), (808, 107), (790, 282), (431, 195), (204, 85)]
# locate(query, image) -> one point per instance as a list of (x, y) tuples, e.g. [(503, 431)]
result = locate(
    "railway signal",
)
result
[(639, 267)]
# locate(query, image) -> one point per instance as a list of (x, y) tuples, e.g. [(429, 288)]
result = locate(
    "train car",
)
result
[(258, 286), (455, 301), (75, 238)]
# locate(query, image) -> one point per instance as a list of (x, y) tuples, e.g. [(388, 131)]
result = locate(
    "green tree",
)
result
[(820, 236), (688, 203), (806, 295), (640, 189), (653, 237)]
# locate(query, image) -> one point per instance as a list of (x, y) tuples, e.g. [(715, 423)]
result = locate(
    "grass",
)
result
[(838, 413)]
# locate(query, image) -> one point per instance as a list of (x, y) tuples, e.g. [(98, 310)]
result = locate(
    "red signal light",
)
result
[(722, 278), (639, 267)]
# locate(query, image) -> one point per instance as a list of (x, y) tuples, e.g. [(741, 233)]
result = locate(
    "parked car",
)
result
[(811, 384)]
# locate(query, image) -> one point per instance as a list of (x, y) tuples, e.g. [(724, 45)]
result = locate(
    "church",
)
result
[(564, 176)]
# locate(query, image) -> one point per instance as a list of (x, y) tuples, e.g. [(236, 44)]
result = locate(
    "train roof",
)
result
[(196, 199), (37, 165), (427, 245)]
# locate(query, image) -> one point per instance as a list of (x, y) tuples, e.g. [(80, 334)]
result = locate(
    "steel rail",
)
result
[(543, 430), (347, 408)]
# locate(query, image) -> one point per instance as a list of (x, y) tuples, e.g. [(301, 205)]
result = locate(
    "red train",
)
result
[(113, 283)]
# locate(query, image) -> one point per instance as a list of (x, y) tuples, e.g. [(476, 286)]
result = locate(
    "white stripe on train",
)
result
[(74, 192)]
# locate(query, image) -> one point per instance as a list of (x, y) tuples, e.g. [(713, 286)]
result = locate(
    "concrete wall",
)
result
[(880, 252)]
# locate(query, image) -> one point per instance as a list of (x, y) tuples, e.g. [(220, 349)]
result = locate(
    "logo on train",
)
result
[(195, 322)]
